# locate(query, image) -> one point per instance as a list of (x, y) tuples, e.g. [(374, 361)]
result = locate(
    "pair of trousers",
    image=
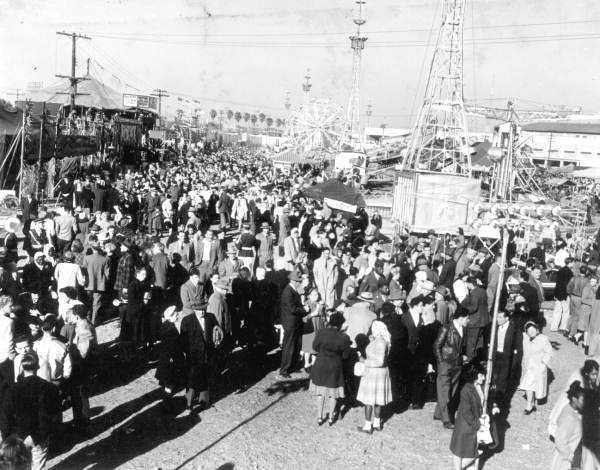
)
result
[(415, 373), (95, 301), (290, 348), (473, 340), (192, 396), (224, 219), (446, 387), (574, 314), (560, 316)]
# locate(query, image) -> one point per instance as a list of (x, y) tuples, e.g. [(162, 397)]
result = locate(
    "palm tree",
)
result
[(213, 113), (246, 118), (253, 119), (261, 117), (279, 122), (269, 121), (237, 116), (229, 114)]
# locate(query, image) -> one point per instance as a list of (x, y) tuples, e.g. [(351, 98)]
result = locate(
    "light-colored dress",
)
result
[(375, 386), (567, 439), (537, 353)]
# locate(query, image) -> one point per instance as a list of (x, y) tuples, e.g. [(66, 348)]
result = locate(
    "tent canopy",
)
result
[(334, 190), (95, 94)]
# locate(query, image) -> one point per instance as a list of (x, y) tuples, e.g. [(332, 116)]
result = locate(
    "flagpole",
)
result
[(492, 346), (22, 152)]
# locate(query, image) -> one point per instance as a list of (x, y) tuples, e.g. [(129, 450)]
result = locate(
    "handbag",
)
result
[(359, 369), (484, 436)]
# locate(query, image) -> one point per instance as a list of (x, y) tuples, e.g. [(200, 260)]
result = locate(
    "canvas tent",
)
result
[(95, 94), (336, 195)]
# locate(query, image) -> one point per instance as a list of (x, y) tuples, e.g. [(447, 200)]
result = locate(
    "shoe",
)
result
[(366, 431), (333, 419), (448, 425), (320, 421), (378, 428), (528, 412)]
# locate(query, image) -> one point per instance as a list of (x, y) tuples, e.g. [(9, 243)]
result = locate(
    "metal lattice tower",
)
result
[(357, 43), (306, 86), (439, 138)]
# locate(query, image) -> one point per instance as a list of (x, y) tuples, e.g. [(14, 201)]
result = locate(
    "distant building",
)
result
[(563, 142)]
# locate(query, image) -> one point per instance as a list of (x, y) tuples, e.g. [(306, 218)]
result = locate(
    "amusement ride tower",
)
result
[(439, 137), (357, 43)]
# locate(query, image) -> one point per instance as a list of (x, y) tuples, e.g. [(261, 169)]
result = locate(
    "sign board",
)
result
[(438, 201), (140, 101)]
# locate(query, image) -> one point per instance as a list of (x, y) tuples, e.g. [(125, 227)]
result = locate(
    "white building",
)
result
[(563, 142)]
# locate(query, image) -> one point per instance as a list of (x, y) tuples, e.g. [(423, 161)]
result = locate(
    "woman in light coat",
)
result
[(537, 352), (325, 273), (593, 331), (569, 429)]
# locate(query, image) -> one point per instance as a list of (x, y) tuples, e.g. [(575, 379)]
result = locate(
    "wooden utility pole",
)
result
[(73, 80), (39, 172), (160, 94)]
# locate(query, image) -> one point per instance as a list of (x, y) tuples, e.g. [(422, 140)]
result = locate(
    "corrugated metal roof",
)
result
[(566, 127)]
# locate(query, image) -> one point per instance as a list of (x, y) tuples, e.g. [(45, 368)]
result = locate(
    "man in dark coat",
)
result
[(507, 359), (32, 407), (476, 304), (292, 311), (449, 349), (29, 209), (200, 334), (95, 267), (560, 317), (448, 271), (192, 291), (415, 358), (391, 316), (37, 276)]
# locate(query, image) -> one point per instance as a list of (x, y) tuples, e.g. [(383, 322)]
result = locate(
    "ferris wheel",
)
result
[(317, 124)]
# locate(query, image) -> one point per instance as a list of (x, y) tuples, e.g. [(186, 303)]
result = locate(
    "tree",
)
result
[(279, 122), (253, 119), (269, 121), (246, 117), (229, 114), (179, 115), (213, 113), (237, 116), (261, 117)]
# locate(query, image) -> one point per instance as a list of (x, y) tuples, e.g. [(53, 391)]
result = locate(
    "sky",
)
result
[(246, 54)]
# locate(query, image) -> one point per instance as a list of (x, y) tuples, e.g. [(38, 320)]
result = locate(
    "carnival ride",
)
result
[(316, 124)]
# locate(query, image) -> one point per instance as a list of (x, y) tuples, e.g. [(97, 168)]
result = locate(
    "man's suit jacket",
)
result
[(291, 250), (414, 333), (492, 284), (477, 305), (28, 208), (191, 295), (31, 408), (371, 283), (291, 308), (197, 342), (37, 280), (186, 252), (213, 254), (160, 266), (95, 267), (228, 269)]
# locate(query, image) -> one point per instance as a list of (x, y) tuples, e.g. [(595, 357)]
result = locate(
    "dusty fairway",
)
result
[(259, 422)]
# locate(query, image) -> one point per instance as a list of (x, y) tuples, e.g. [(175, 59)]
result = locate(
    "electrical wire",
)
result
[(344, 33)]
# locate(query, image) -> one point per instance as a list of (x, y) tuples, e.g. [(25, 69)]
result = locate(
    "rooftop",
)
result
[(564, 126)]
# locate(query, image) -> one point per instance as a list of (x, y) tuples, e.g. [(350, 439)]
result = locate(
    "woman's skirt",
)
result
[(326, 392), (375, 387)]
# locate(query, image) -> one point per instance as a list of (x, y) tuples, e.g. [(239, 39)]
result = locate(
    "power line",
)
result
[(246, 44), (344, 33)]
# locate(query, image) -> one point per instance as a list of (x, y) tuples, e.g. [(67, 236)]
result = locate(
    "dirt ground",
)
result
[(260, 422)]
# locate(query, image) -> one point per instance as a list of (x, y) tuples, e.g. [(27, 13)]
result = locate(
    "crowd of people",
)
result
[(220, 253)]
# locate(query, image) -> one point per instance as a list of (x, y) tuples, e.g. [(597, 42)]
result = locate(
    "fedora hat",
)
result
[(366, 296)]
